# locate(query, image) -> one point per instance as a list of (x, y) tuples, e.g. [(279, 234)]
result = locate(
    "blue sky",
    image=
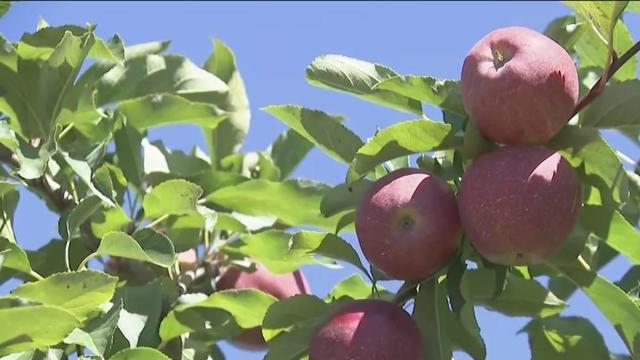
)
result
[(274, 42)]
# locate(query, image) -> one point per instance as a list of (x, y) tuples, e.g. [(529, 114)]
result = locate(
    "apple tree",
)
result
[(513, 200)]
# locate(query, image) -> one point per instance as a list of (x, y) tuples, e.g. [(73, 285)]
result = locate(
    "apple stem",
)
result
[(598, 87)]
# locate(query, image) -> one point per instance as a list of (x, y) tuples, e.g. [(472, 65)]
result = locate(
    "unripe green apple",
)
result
[(519, 203), (279, 285), (367, 330), (519, 86), (408, 224)]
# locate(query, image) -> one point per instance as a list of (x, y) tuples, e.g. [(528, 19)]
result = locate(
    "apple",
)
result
[(367, 330), (519, 86), (188, 260), (519, 203), (408, 225), (279, 285)]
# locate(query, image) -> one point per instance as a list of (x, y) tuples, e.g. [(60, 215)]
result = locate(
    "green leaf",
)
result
[(326, 245), (146, 302), (610, 226), (34, 327), (299, 310), (401, 139), (146, 245), (176, 197), (98, 333), (141, 353), (79, 292), (429, 312), (352, 287), (614, 304), (4, 7), (128, 141), (565, 30), (344, 197), (288, 151), (294, 202), (13, 257), (464, 333), (442, 93), (558, 338), (584, 148), (323, 130), (520, 297), (80, 213), (84, 172), (163, 109), (617, 107), (32, 161), (148, 48), (227, 137), (106, 220), (601, 15), (360, 78)]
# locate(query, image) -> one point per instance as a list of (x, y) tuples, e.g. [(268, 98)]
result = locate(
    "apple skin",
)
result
[(529, 96), (367, 330), (408, 225), (518, 204), (279, 285)]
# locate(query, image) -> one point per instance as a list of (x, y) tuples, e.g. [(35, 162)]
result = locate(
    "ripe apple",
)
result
[(519, 86), (519, 203), (408, 224), (367, 330), (280, 286)]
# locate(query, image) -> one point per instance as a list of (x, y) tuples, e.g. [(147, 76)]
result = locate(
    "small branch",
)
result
[(157, 221), (598, 87)]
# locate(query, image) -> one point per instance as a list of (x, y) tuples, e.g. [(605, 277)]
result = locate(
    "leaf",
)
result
[(565, 338), (97, 334), (610, 226), (298, 310), (294, 202), (13, 257), (142, 49), (84, 172), (442, 93), (176, 197), (344, 197), (4, 7), (163, 109), (429, 313), (601, 15), (78, 292), (565, 30), (33, 327), (464, 333), (106, 220), (288, 151), (146, 245), (144, 301), (401, 139), (128, 141), (617, 107), (520, 297), (141, 353), (227, 137), (360, 78), (323, 130), (584, 148), (325, 244), (614, 304), (352, 287), (80, 213)]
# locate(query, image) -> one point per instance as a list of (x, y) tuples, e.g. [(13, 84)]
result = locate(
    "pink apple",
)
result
[(519, 203), (519, 86), (367, 330), (408, 224)]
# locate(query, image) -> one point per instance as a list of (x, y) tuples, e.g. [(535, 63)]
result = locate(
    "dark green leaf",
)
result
[(617, 107), (98, 333), (565, 30), (344, 197), (80, 213), (144, 301), (4, 7), (141, 353), (429, 311), (128, 141), (610, 226)]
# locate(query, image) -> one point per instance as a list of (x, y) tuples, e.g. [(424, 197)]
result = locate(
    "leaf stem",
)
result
[(84, 262), (65, 131), (157, 221), (35, 275), (598, 87), (67, 248)]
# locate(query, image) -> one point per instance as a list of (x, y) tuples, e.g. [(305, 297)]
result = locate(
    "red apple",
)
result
[(367, 330), (519, 86), (519, 203), (280, 286), (408, 224)]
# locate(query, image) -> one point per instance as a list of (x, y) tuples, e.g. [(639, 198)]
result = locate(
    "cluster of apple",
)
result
[(516, 204)]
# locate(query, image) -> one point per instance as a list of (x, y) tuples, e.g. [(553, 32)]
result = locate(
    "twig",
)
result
[(598, 87)]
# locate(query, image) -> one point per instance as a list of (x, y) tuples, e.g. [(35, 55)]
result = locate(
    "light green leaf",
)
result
[(146, 245), (141, 353), (600, 14), (611, 227), (79, 292), (401, 139), (442, 93), (288, 151), (106, 220), (163, 109), (326, 245), (98, 333), (294, 202), (227, 137), (34, 327), (429, 313), (360, 78), (148, 48), (84, 172), (521, 297), (352, 287), (344, 197), (559, 338), (13, 257), (584, 148), (617, 107), (323, 130), (176, 197)]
